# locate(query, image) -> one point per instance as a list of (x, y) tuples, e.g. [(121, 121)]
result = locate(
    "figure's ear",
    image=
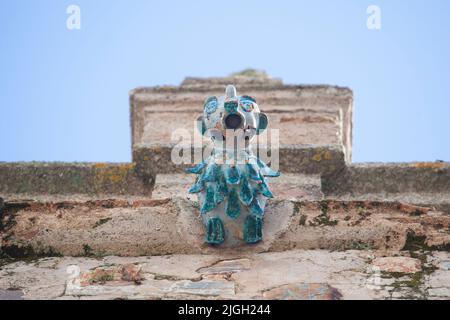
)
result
[(201, 125), (263, 122)]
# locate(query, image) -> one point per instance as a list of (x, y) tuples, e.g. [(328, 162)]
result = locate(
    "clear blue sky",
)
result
[(64, 94)]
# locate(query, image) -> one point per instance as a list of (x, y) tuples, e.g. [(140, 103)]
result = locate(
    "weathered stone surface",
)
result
[(168, 185), (438, 281), (169, 267), (119, 273), (203, 287), (73, 178), (101, 228), (437, 201), (421, 183), (296, 187), (398, 264), (165, 226), (346, 225), (227, 267), (272, 270), (129, 280), (303, 291), (296, 274), (439, 292), (47, 282)]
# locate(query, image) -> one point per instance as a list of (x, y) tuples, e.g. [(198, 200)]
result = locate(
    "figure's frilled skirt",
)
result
[(221, 228), (232, 199)]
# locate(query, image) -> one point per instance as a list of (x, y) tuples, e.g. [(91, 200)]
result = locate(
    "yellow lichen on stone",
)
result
[(105, 174), (433, 165), (157, 149), (322, 154), (317, 157), (100, 165)]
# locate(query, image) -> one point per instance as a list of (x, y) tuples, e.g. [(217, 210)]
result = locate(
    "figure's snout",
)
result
[(234, 121), (240, 114), (232, 118)]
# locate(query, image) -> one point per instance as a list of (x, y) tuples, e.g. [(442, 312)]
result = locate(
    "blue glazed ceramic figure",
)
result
[(231, 183)]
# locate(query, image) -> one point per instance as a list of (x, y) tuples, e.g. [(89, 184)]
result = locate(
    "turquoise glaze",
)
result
[(232, 183)]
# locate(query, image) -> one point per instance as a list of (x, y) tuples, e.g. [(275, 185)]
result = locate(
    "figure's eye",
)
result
[(247, 105), (211, 105)]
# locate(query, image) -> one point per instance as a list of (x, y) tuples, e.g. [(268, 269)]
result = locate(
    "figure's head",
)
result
[(231, 113)]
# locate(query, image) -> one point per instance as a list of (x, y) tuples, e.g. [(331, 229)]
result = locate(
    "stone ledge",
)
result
[(438, 200), (169, 226), (361, 180), (307, 159), (72, 178)]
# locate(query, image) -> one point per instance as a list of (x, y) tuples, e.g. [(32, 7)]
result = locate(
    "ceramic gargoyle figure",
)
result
[(231, 183)]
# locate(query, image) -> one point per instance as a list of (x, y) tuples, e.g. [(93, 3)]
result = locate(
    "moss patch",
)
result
[(88, 252), (416, 242), (101, 277), (101, 221), (297, 206), (323, 219), (414, 281), (356, 245), (27, 253)]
